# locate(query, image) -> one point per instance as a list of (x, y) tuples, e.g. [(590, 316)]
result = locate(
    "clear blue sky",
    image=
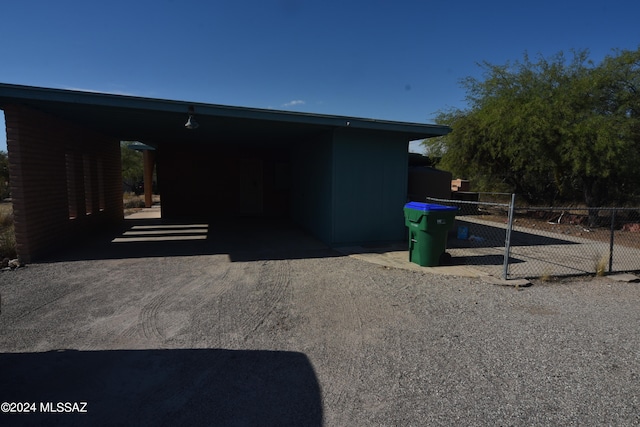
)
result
[(394, 60)]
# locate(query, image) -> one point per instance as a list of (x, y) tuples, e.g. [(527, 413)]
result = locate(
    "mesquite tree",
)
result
[(551, 130)]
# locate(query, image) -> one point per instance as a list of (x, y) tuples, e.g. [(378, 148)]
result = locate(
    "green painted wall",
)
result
[(347, 186), (311, 188), (370, 172)]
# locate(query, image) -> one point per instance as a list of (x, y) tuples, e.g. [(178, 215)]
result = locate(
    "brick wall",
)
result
[(66, 181)]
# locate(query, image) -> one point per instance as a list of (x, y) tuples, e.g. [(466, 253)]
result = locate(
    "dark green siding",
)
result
[(311, 205), (369, 187)]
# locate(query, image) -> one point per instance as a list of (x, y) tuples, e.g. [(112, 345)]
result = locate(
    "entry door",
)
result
[(251, 187)]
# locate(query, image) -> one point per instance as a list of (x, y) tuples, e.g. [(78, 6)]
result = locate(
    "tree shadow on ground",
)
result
[(163, 387)]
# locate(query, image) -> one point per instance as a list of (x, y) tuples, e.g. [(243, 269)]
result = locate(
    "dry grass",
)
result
[(600, 265), (134, 203), (546, 277), (131, 201), (7, 234)]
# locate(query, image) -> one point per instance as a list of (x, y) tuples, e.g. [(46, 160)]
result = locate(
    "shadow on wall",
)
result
[(163, 387)]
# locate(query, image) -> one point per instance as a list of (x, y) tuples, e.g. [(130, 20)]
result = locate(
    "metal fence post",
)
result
[(507, 241), (613, 228)]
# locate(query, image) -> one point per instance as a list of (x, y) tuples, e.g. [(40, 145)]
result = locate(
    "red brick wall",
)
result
[(66, 181)]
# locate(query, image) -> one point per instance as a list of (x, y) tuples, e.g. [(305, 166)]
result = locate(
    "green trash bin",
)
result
[(428, 226)]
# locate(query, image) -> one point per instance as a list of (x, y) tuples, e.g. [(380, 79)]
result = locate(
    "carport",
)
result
[(343, 179)]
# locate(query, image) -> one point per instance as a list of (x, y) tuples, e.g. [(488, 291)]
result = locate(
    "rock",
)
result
[(15, 263)]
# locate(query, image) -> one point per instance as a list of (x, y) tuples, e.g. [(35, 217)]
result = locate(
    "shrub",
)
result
[(7, 233), (131, 201)]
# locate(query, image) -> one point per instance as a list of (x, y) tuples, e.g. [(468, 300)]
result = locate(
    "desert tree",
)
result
[(550, 129), (132, 166)]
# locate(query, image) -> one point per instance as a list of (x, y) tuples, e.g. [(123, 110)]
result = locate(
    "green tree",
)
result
[(551, 130), (132, 166)]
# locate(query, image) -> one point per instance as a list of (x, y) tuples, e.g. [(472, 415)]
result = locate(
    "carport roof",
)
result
[(152, 120)]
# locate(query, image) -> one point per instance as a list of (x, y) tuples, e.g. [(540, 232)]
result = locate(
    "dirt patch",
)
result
[(625, 234)]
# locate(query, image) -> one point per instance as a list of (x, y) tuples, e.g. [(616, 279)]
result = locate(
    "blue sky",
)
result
[(395, 60)]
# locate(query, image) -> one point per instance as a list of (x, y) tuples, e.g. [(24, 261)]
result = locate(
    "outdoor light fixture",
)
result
[(191, 122)]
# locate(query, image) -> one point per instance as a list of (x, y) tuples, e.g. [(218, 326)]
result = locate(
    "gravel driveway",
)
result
[(308, 337)]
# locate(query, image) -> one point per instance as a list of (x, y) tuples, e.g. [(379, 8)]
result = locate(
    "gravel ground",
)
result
[(313, 339)]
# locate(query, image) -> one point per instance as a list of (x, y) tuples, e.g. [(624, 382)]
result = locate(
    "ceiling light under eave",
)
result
[(191, 123)]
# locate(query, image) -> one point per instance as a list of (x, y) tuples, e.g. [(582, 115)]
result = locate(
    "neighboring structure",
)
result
[(460, 185), (460, 190), (427, 181), (344, 179)]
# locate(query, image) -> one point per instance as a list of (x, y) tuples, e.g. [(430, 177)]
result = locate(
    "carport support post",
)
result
[(148, 157), (507, 241)]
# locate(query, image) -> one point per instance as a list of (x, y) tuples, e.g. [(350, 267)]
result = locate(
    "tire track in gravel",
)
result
[(370, 317), (148, 318), (341, 389), (275, 281), (162, 318), (204, 314), (202, 287), (332, 306), (246, 297), (257, 293), (32, 310)]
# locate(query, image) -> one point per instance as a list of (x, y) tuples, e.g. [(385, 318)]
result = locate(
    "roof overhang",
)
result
[(153, 121)]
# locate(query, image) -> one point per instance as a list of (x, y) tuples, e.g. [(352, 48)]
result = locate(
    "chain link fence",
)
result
[(494, 235)]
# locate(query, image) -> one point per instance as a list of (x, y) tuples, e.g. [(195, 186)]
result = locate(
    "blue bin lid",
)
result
[(425, 207)]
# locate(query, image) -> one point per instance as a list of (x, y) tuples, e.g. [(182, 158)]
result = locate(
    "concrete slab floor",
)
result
[(393, 255)]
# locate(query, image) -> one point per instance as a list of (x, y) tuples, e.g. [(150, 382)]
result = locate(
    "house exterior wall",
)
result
[(349, 186), (369, 186), (65, 180), (312, 186), (221, 180)]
